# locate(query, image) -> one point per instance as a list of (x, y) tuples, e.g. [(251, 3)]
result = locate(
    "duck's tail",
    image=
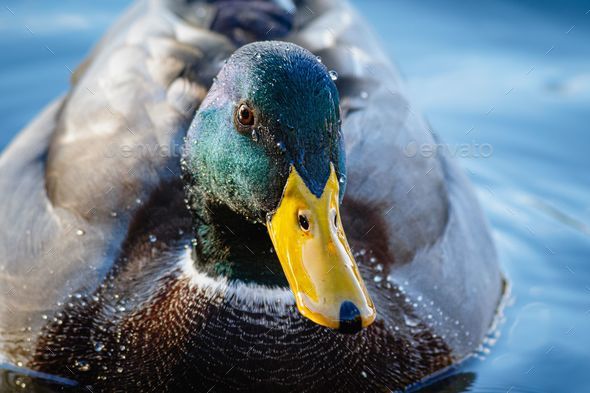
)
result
[(244, 21)]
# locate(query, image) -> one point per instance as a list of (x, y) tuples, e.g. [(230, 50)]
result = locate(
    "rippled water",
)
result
[(506, 85)]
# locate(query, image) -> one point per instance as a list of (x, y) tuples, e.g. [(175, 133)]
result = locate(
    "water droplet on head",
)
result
[(80, 232), (153, 238), (319, 59), (255, 135), (364, 374), (364, 95), (377, 278), (333, 75)]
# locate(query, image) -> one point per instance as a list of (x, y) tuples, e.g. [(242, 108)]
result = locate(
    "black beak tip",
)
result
[(350, 318)]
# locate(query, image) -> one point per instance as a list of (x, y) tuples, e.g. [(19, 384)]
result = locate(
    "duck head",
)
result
[(266, 144)]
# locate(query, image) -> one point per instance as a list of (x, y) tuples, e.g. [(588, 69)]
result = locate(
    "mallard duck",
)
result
[(230, 198)]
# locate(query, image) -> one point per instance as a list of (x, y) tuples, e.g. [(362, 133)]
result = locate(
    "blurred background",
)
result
[(504, 84)]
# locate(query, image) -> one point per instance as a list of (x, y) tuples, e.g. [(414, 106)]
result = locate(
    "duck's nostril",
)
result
[(350, 318)]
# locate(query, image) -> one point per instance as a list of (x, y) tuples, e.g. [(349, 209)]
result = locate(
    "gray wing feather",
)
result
[(72, 181)]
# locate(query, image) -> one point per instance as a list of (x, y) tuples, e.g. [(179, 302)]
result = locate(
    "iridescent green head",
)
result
[(273, 105), (266, 144)]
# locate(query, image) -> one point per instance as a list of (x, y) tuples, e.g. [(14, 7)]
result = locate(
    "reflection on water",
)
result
[(457, 382), (14, 379), (514, 76)]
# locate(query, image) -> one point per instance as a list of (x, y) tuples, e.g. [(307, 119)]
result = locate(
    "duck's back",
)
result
[(74, 183)]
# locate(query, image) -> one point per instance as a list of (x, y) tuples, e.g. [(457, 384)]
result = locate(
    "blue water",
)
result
[(505, 84)]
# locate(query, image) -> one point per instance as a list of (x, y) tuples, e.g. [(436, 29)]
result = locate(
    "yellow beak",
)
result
[(307, 235)]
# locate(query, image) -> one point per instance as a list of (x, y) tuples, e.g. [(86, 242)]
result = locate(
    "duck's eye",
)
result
[(245, 115), (303, 222)]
